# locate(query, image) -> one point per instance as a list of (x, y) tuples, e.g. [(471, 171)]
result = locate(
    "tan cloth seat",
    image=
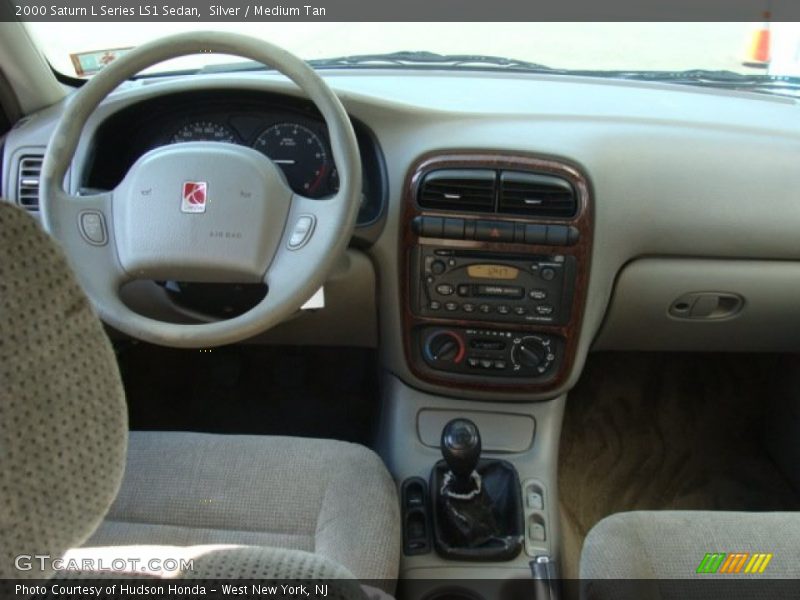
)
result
[(294, 508), (687, 555), (330, 498), (670, 544)]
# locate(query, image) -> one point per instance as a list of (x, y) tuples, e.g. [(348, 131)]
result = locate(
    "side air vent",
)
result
[(459, 189), (536, 195), (28, 174)]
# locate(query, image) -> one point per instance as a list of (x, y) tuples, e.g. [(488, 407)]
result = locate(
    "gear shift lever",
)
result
[(477, 506), (461, 449)]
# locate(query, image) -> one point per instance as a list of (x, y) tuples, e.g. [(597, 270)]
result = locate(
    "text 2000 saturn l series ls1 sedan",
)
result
[(411, 314)]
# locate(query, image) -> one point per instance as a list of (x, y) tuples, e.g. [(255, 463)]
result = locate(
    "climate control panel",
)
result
[(492, 352)]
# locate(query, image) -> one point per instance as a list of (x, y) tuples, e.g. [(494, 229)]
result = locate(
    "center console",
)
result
[(473, 541), (494, 266), (495, 252)]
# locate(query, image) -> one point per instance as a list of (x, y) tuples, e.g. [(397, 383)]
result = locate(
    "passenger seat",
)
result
[(655, 546)]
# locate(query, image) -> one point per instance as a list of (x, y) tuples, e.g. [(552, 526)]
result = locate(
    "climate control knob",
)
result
[(529, 352), (444, 346)]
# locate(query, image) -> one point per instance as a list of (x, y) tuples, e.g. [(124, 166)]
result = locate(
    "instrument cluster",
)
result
[(301, 152), (288, 130)]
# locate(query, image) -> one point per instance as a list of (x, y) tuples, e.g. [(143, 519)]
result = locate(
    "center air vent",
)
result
[(535, 195), (459, 189), (511, 192), (28, 175)]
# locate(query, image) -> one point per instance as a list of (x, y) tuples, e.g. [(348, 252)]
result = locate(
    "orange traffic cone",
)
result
[(757, 54)]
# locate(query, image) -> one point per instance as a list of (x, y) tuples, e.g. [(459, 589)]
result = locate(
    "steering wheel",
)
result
[(201, 211)]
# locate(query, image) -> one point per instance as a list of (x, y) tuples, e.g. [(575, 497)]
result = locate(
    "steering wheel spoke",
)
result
[(84, 225), (312, 228)]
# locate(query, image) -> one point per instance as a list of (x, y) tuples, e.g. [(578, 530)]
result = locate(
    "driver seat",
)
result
[(243, 506)]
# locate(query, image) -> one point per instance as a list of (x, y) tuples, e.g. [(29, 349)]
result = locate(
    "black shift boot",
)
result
[(477, 506)]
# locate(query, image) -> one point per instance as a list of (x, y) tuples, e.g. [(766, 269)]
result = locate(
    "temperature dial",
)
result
[(531, 352), (444, 347)]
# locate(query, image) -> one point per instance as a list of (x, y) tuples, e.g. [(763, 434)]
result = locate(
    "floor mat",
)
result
[(308, 391), (666, 431)]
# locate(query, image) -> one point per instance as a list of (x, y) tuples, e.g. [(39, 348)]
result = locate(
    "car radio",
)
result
[(484, 286)]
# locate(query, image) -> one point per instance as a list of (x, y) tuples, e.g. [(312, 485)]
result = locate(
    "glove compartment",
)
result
[(677, 304)]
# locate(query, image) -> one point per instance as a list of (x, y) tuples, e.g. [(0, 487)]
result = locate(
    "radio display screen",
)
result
[(492, 272)]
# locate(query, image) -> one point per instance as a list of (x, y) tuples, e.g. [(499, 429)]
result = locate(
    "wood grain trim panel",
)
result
[(583, 221)]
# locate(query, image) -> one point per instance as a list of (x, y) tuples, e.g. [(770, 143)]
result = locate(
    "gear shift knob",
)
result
[(461, 447)]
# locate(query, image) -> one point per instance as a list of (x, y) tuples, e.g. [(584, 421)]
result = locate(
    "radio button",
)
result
[(485, 308), (520, 310), (545, 309), (473, 362), (435, 305), (451, 306), (468, 307), (438, 267), (547, 274), (537, 294), (486, 363), (445, 289), (503, 309), (463, 290), (500, 365)]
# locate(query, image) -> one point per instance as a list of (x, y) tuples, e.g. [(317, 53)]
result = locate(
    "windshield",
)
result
[(80, 49)]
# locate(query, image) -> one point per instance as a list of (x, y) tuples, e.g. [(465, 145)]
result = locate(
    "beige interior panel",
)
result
[(640, 316), (500, 432)]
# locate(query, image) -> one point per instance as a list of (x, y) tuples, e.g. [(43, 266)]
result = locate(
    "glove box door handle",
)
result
[(706, 305)]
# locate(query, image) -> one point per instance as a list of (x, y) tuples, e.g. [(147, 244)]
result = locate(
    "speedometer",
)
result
[(204, 131), (301, 154)]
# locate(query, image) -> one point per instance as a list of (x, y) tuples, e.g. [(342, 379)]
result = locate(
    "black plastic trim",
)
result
[(417, 506)]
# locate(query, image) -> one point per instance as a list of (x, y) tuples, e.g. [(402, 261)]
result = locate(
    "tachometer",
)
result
[(301, 154), (204, 131)]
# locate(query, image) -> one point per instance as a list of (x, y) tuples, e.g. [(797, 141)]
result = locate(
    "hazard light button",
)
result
[(494, 231)]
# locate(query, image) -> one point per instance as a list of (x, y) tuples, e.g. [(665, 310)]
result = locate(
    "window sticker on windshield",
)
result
[(89, 63)]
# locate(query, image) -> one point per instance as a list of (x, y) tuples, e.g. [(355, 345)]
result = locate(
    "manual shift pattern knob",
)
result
[(461, 447)]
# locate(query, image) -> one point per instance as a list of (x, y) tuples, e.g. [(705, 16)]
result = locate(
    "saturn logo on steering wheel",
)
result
[(194, 197)]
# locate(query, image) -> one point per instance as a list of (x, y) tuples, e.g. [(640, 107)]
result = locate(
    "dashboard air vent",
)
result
[(459, 189), (28, 174), (536, 195)]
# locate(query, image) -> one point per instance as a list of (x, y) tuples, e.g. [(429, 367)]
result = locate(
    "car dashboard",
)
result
[(510, 224)]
